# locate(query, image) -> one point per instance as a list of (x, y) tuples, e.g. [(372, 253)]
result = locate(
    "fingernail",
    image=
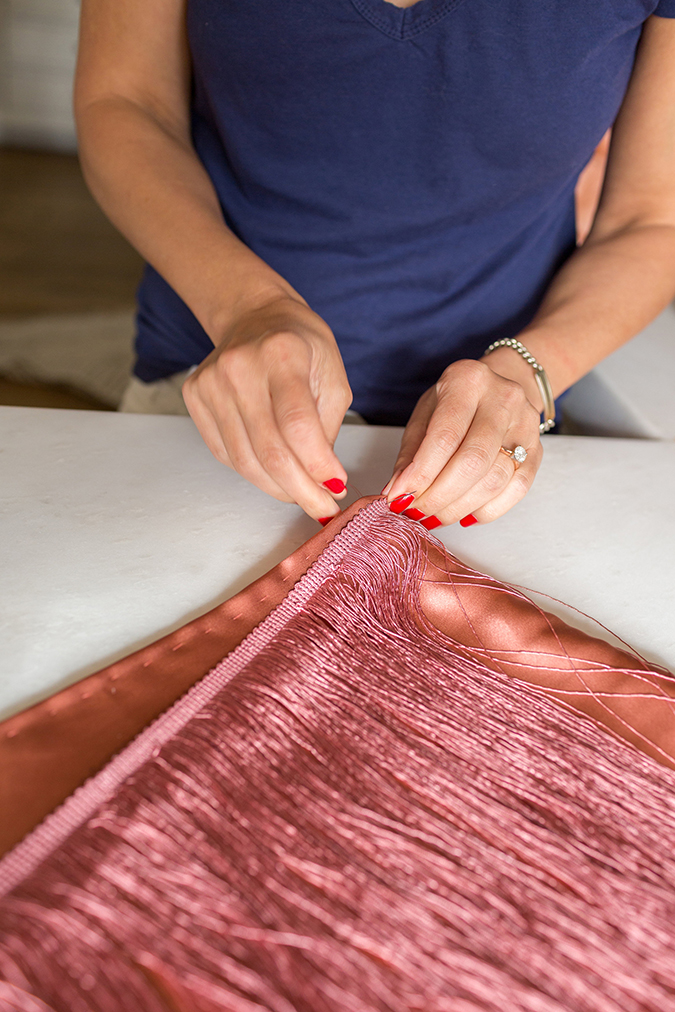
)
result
[(398, 504), (335, 485), (430, 523), (391, 481), (413, 514), (324, 520), (468, 521)]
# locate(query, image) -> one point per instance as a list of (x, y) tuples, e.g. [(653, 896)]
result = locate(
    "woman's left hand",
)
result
[(450, 453)]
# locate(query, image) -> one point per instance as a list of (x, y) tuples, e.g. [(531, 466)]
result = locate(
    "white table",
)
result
[(115, 529)]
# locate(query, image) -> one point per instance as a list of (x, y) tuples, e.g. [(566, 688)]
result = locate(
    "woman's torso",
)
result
[(410, 171)]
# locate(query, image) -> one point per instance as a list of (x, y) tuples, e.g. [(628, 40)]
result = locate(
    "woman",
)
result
[(364, 195)]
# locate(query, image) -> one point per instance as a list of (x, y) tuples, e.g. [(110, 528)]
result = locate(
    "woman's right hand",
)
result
[(269, 401), (270, 398)]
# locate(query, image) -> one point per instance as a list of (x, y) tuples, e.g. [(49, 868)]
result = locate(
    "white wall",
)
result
[(38, 41)]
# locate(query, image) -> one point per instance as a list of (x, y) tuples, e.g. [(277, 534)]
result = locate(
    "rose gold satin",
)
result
[(511, 635)]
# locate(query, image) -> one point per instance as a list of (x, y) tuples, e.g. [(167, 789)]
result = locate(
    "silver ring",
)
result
[(517, 455)]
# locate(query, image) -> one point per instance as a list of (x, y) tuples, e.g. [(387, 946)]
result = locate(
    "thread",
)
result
[(359, 812)]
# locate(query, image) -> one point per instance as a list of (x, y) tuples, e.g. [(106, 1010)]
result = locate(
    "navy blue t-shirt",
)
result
[(409, 171)]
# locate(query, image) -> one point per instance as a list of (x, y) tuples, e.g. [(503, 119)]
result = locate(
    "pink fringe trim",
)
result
[(355, 812)]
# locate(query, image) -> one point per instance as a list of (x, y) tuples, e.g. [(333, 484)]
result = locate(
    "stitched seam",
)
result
[(404, 32), (374, 20), (434, 19)]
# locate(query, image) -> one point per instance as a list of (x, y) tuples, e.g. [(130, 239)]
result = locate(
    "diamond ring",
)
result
[(518, 456)]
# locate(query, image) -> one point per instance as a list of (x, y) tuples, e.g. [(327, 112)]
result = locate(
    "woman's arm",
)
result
[(609, 289), (270, 399), (624, 274)]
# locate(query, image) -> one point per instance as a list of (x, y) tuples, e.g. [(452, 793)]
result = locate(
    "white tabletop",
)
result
[(115, 529)]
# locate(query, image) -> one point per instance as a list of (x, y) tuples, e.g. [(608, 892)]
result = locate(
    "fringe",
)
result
[(354, 812)]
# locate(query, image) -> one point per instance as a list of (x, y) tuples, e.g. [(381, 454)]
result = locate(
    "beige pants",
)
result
[(164, 397)]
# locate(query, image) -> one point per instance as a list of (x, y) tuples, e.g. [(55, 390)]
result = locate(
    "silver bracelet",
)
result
[(540, 376)]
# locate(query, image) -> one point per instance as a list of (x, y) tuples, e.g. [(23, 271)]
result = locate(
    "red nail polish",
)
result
[(468, 521), (324, 520), (335, 485), (398, 504), (413, 514), (430, 523)]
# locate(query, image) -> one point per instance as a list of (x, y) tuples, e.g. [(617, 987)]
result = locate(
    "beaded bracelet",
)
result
[(540, 376)]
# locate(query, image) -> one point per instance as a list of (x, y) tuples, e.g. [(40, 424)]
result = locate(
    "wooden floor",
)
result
[(36, 395), (58, 254)]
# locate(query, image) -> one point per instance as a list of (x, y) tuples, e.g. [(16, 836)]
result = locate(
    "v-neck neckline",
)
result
[(404, 22)]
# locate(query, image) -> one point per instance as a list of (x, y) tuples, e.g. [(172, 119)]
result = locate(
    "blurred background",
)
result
[(67, 277)]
